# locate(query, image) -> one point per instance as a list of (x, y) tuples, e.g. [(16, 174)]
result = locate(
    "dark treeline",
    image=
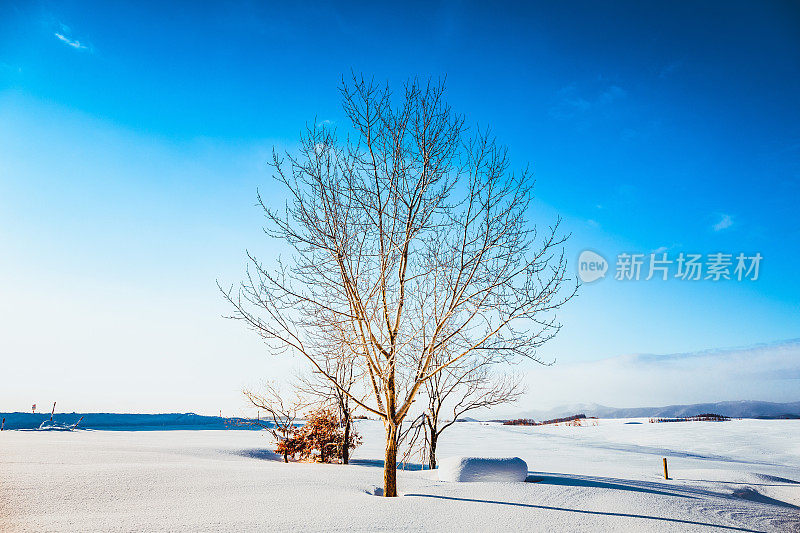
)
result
[(531, 422), (705, 417)]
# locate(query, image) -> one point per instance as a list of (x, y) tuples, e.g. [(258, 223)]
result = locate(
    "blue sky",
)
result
[(133, 137)]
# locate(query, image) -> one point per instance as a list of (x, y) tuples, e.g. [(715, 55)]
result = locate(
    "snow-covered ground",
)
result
[(742, 475)]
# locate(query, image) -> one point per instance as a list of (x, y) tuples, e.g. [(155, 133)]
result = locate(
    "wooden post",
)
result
[(3, 425), (53, 411), (666, 474)]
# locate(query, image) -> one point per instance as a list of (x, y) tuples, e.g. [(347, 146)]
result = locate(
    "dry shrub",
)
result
[(321, 438)]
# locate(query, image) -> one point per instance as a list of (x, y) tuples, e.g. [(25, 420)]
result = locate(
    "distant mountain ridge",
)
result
[(735, 409), (124, 421)]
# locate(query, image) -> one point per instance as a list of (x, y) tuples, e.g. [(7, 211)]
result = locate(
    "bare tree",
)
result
[(411, 209), (317, 390), (413, 436), (280, 414), (463, 388)]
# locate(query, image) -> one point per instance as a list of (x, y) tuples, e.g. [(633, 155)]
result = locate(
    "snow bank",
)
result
[(482, 469)]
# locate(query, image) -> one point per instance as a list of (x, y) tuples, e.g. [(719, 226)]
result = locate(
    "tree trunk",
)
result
[(286, 457), (346, 443), (432, 451), (390, 463)]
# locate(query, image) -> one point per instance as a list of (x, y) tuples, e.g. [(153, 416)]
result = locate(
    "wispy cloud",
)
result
[(571, 102), (612, 93), (666, 248), (724, 222), (74, 43), (9, 67), (669, 69), (63, 33)]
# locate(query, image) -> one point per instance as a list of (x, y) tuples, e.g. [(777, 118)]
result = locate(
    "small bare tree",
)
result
[(411, 209), (280, 415), (463, 388), (316, 390)]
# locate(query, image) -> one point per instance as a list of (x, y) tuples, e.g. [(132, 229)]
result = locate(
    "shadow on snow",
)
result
[(582, 511), (574, 480), (259, 453), (580, 481)]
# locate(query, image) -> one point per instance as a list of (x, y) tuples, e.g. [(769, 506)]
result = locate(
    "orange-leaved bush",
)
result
[(322, 437), (290, 446)]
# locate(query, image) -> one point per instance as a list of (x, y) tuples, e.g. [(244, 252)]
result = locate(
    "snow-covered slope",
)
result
[(731, 476)]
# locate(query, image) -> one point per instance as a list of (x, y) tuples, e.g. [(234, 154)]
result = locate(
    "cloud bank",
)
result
[(769, 372)]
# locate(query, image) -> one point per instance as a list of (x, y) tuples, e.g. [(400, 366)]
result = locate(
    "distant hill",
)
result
[(123, 421), (739, 409)]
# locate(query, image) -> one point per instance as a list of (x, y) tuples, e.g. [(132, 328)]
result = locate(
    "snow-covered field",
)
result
[(742, 475)]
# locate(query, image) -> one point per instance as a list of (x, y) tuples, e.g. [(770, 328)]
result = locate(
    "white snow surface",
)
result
[(479, 469), (742, 475)]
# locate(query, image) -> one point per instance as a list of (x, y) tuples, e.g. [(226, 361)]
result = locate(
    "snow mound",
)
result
[(749, 493), (374, 490), (483, 469)]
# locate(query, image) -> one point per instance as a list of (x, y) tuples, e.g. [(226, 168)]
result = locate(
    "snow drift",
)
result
[(483, 469)]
